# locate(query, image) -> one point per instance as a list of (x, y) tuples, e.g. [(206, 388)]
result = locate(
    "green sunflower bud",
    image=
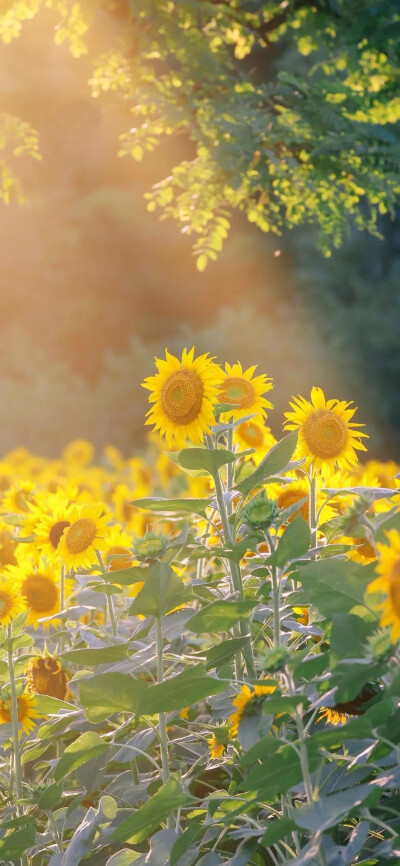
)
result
[(151, 546), (261, 512)]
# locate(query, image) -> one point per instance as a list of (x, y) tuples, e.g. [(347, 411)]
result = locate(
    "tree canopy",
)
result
[(313, 139)]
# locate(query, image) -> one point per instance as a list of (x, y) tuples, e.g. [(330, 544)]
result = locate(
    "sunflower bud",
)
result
[(261, 512), (46, 676), (151, 546)]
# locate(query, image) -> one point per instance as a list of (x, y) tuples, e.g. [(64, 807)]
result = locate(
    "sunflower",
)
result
[(216, 749), (248, 703), (27, 714), (17, 498), (8, 546), (39, 590), (332, 716), (11, 601), (49, 519), (85, 534), (326, 435), (250, 434), (78, 453), (183, 393), (46, 676), (388, 582), (118, 552), (244, 392)]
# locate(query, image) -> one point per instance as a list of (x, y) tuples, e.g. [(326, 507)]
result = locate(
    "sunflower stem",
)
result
[(229, 469), (14, 722), (313, 510), (303, 754), (236, 577), (162, 717), (110, 603), (276, 595)]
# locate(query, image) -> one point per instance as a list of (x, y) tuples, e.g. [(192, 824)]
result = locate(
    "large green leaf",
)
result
[(149, 816), (163, 590), (183, 690), (295, 542), (333, 585), (275, 461), (13, 846), (97, 656), (220, 616), (110, 693), (86, 747), (355, 630), (46, 705), (173, 506), (279, 772), (277, 830), (126, 576), (205, 460), (330, 810)]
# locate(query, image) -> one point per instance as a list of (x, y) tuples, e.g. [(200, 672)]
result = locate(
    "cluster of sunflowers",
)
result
[(65, 523), (186, 611)]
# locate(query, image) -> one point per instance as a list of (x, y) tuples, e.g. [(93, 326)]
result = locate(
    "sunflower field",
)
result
[(199, 652)]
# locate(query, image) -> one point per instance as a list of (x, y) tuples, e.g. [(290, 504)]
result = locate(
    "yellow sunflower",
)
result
[(11, 601), (79, 453), (327, 437), (49, 519), (39, 590), (248, 696), (332, 716), (184, 393), (388, 582), (244, 392), (17, 498), (27, 714), (117, 554), (250, 434), (216, 749), (86, 533)]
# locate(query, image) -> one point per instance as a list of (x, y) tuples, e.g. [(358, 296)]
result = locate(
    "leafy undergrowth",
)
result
[(199, 656)]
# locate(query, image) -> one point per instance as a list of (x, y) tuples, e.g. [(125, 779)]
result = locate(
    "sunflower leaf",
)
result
[(175, 506), (275, 462)]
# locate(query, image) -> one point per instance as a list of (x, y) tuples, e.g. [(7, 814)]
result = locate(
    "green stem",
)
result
[(14, 721), (236, 577), (230, 469), (110, 603), (276, 595), (313, 510), (303, 754), (162, 716)]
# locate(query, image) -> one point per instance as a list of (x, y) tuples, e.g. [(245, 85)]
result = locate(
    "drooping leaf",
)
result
[(224, 652), (204, 460), (330, 810)]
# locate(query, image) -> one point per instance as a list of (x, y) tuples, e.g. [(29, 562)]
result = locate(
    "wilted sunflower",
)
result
[(85, 534), (11, 601), (46, 676), (184, 393), (326, 435), (388, 582), (27, 714), (248, 702), (244, 392)]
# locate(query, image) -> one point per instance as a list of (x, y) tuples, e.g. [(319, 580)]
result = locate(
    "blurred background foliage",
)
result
[(93, 286)]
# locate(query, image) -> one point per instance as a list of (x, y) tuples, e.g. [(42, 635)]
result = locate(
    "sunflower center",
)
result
[(394, 587), (239, 392), (252, 434), (325, 433), (56, 532), (5, 603), (80, 535), (40, 592), (182, 396)]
